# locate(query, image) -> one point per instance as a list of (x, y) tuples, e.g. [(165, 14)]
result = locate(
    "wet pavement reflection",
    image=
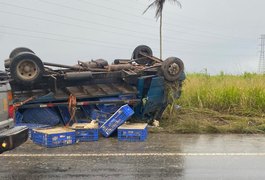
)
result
[(179, 157)]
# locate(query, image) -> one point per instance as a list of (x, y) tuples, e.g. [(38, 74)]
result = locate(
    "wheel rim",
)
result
[(27, 69), (173, 69)]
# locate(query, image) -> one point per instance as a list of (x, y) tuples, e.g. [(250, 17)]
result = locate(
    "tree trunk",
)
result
[(161, 36)]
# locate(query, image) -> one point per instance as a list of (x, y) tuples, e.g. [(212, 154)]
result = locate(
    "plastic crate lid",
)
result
[(55, 130), (133, 126), (92, 125)]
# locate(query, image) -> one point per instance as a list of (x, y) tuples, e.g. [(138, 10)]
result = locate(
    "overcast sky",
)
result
[(217, 35)]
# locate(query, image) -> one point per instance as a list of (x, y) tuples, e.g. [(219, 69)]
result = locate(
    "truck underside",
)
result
[(142, 82)]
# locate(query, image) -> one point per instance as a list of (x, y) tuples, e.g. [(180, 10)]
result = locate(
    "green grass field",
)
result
[(240, 95), (219, 104)]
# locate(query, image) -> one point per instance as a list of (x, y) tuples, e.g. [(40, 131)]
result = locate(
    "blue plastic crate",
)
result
[(100, 116), (85, 131), (53, 137), (84, 135), (132, 132), (117, 119), (31, 126)]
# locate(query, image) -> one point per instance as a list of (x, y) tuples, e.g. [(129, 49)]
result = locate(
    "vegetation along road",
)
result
[(218, 104)]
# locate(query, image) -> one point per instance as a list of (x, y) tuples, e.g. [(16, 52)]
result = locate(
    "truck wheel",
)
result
[(7, 63), (19, 50), (172, 68), (26, 68), (138, 51)]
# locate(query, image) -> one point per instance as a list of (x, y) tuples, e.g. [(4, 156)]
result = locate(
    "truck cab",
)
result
[(10, 136)]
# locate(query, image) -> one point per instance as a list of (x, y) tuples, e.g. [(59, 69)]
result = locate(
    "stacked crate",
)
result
[(132, 132), (53, 137), (85, 131)]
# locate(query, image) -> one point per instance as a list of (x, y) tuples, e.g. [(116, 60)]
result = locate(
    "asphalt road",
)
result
[(162, 156)]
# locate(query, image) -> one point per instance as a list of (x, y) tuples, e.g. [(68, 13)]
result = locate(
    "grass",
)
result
[(219, 104), (241, 95), (198, 120)]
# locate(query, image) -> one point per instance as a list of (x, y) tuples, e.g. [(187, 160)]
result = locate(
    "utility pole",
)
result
[(262, 57)]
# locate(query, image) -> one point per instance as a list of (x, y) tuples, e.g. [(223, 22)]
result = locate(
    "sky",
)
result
[(208, 35)]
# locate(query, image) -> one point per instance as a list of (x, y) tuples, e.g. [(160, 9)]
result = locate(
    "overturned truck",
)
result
[(76, 92)]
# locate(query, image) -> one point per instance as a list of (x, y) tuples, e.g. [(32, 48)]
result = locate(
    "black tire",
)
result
[(26, 68), (7, 63), (142, 49), (172, 68), (116, 61), (19, 50)]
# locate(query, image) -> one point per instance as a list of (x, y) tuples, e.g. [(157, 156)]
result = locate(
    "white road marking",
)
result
[(131, 154)]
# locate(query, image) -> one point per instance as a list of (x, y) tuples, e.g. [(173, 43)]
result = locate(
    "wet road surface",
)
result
[(162, 156)]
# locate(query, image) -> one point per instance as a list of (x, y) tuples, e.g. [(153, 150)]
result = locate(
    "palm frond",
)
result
[(159, 5), (159, 8), (150, 5), (176, 2)]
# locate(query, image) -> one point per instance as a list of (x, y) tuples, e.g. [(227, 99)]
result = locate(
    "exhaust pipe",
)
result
[(78, 75)]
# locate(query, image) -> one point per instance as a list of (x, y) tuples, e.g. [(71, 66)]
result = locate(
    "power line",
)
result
[(100, 43), (60, 40), (114, 27), (129, 21), (143, 17), (209, 34), (69, 17), (170, 39), (73, 25), (113, 46), (78, 38), (58, 35), (178, 15), (98, 14)]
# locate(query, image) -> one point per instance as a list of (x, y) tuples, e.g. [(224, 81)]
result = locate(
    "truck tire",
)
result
[(26, 68), (142, 49), (172, 68), (7, 63), (19, 50)]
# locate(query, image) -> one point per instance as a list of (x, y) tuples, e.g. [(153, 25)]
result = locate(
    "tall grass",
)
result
[(234, 94)]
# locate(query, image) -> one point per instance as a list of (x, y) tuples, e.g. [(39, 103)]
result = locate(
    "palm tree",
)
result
[(159, 5)]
